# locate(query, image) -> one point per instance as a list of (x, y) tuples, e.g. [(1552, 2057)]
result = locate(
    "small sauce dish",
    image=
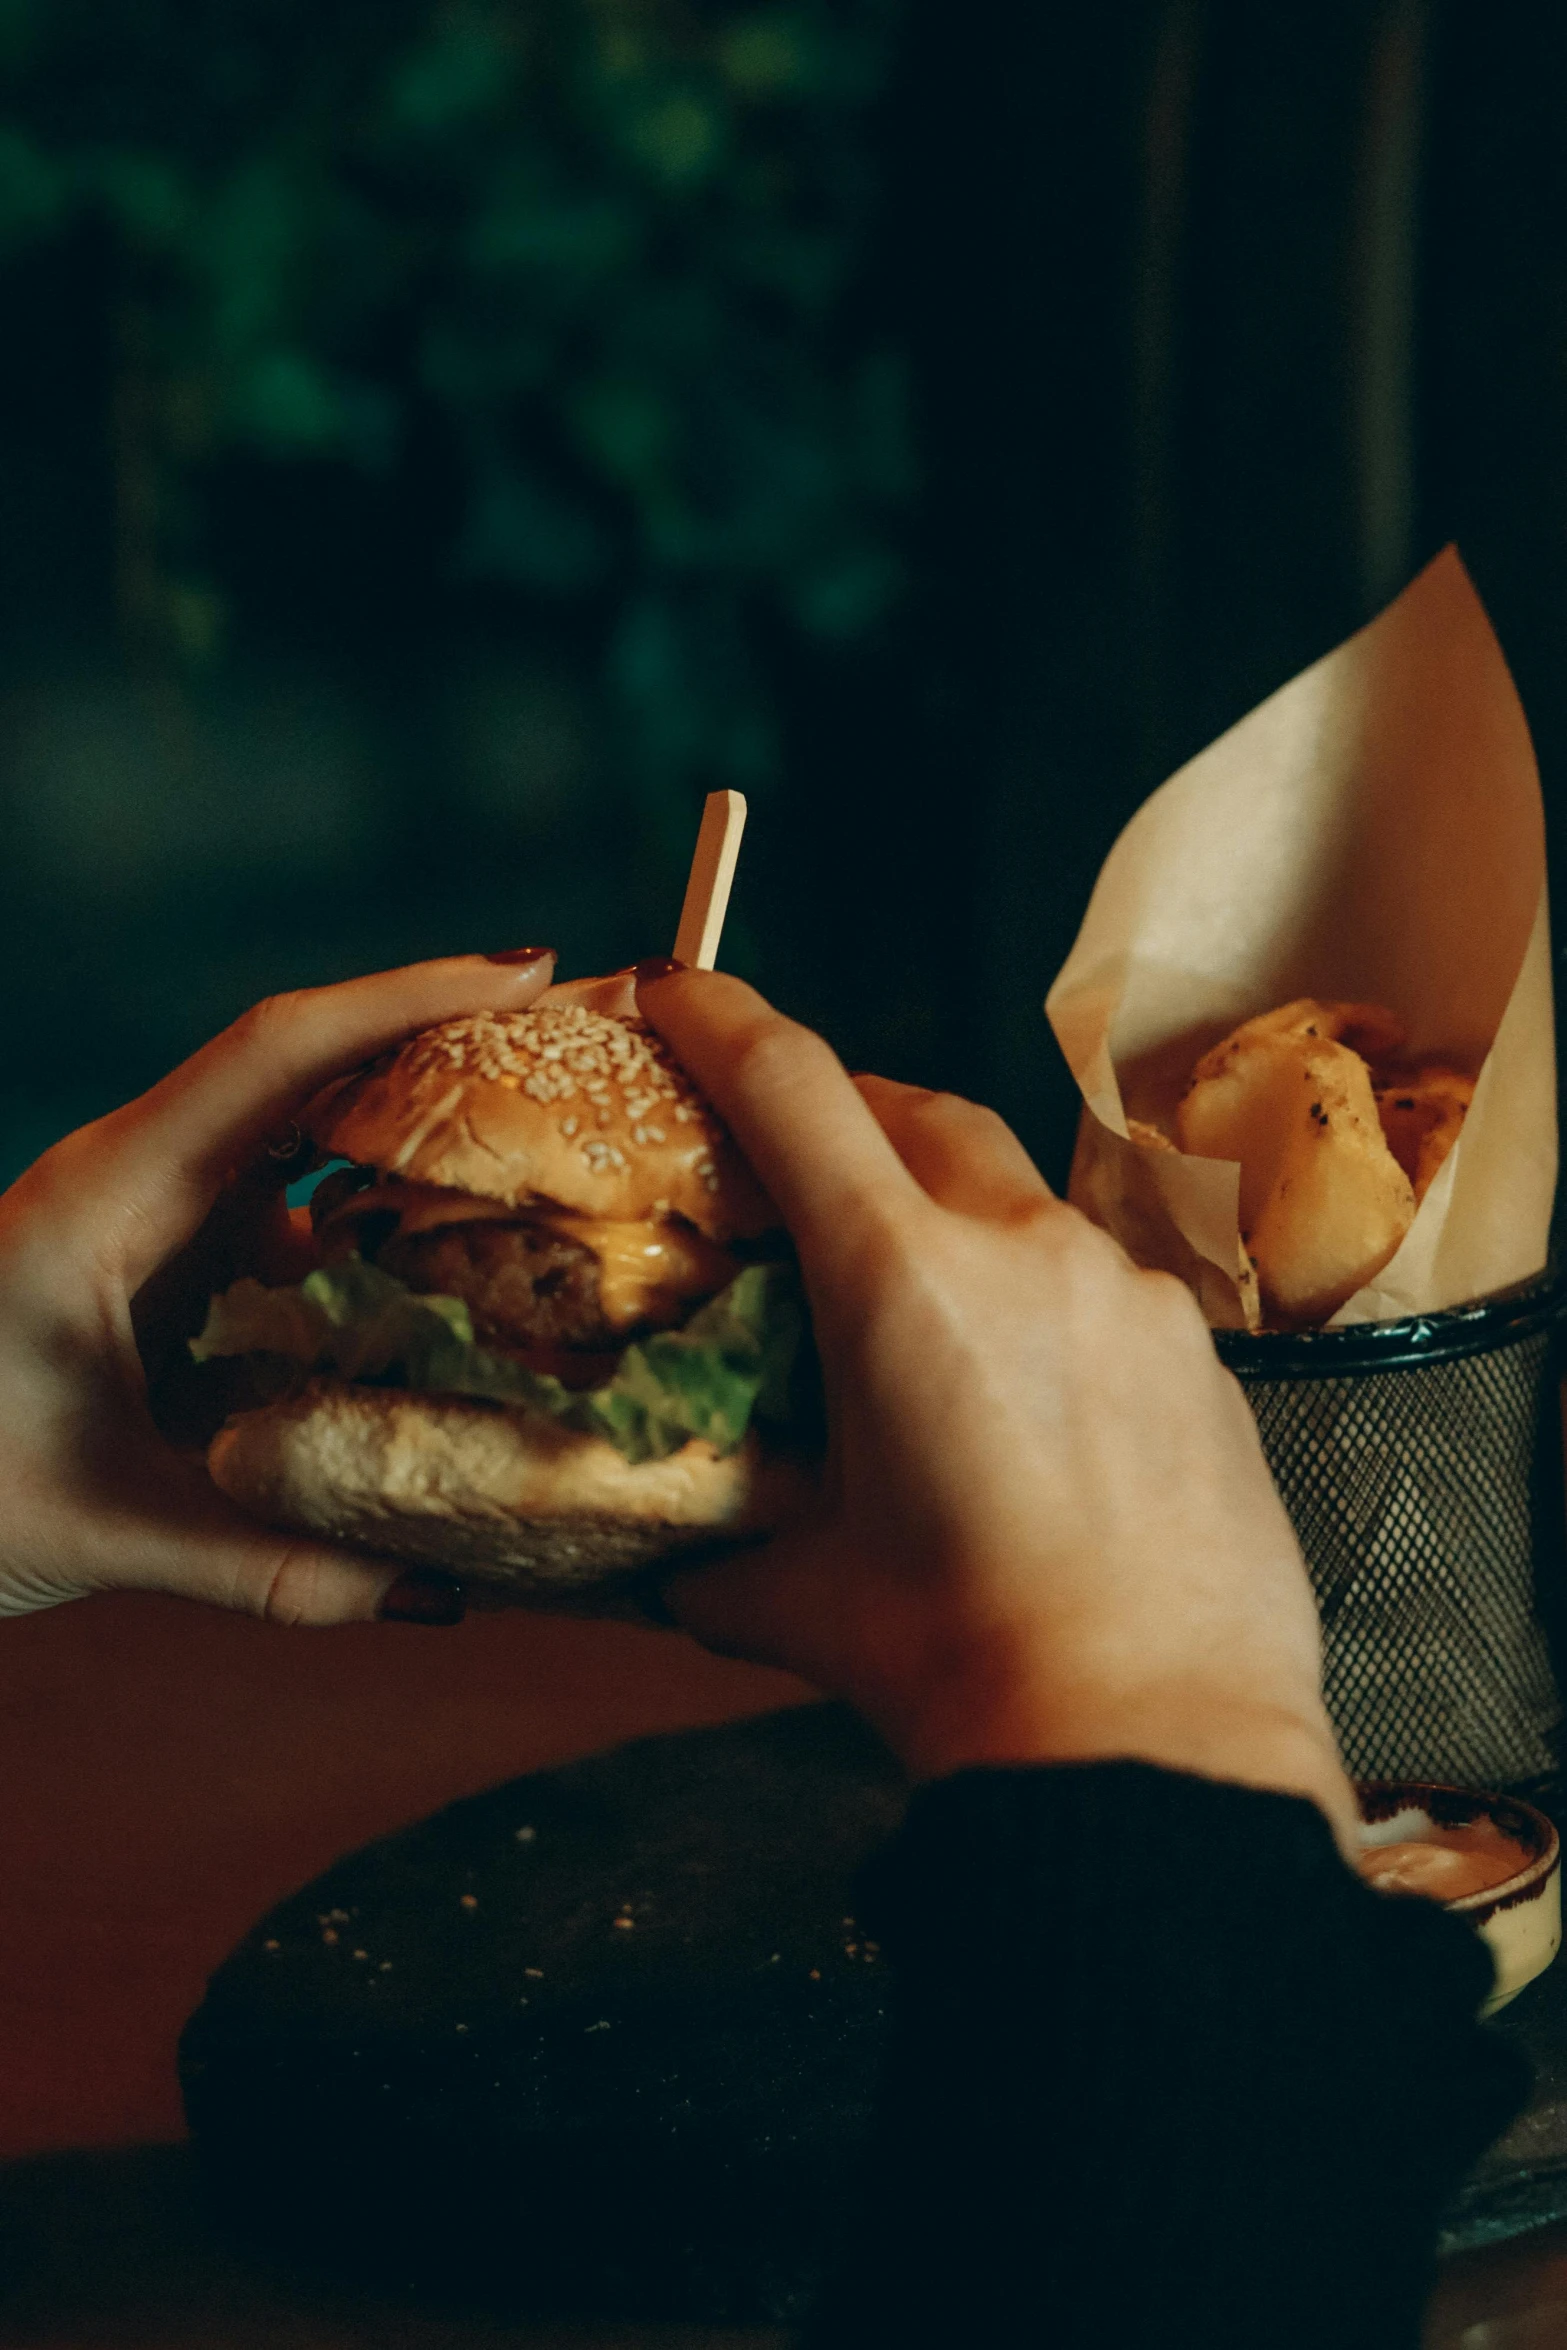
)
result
[(1492, 1860)]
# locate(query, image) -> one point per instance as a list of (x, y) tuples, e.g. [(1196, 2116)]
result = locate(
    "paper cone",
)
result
[(1372, 832)]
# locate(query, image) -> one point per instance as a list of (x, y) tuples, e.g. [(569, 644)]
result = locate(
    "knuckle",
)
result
[(885, 1246), (1168, 1300), (771, 1054), (979, 1129), (913, 1101), (1081, 1250), (288, 1589), (988, 1124), (259, 1028), (1171, 1315), (958, 1105), (953, 1109)]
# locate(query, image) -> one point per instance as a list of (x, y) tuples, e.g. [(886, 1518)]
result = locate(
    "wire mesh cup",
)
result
[(1420, 1462)]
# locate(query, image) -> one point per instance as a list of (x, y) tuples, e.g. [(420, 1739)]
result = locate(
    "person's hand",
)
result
[(109, 1246), (1049, 1532)]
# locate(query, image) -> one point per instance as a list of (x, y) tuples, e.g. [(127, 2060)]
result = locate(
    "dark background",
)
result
[(438, 442)]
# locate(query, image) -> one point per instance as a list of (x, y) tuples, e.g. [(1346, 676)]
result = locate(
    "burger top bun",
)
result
[(584, 1109)]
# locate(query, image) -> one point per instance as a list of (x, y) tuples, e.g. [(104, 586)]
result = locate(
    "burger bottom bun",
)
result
[(544, 1514)]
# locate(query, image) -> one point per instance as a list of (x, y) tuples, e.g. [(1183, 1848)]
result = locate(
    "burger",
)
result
[(554, 1335)]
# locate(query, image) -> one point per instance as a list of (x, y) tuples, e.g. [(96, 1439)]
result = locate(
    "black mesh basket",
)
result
[(1421, 1464)]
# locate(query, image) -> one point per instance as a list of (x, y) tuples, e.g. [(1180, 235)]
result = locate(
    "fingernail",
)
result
[(655, 1607), (656, 967), (423, 1596), (521, 955)]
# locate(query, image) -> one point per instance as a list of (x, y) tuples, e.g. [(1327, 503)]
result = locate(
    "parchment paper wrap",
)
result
[(1372, 832)]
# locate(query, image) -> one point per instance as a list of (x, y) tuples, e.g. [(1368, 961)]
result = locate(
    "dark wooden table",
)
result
[(166, 1774)]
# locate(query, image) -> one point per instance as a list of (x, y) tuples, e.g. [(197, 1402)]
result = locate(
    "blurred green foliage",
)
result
[(612, 248)]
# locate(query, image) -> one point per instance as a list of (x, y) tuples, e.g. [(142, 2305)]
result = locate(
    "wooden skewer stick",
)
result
[(712, 874)]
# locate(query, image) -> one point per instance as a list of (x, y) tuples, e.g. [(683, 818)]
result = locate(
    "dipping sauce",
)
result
[(1445, 1864)]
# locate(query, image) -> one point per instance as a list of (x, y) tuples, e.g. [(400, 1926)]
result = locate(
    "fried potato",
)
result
[(1422, 1113), (1323, 1200), (1368, 1029)]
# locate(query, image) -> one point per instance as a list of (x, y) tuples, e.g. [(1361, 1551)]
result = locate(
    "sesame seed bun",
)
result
[(543, 1512), (587, 1110)]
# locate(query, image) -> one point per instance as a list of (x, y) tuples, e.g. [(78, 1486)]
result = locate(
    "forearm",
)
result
[(1162, 2068)]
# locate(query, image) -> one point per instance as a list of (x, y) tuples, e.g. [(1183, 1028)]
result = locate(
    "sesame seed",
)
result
[(615, 1077)]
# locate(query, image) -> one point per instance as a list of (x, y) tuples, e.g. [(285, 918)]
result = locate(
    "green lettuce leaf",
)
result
[(737, 1357)]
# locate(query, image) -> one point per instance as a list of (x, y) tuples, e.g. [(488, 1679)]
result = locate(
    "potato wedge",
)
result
[(1422, 1114), (1368, 1029), (1323, 1200)]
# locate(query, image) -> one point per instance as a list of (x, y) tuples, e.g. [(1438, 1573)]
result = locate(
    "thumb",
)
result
[(765, 1605)]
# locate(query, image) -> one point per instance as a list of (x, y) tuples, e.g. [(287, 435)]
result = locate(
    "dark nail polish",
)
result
[(521, 955), (657, 967), (654, 1606), (423, 1596)]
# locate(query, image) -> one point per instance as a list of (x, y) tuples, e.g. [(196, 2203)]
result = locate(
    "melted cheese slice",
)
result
[(647, 1269)]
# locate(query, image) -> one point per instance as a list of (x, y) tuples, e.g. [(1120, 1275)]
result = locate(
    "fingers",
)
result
[(189, 1540), (964, 1156), (790, 1105), (752, 1604), (302, 1583), (147, 1176)]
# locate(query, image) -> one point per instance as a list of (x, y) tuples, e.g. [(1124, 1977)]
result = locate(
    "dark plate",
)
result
[(511, 2101)]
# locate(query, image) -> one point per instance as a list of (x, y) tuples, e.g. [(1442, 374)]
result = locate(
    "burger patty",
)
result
[(523, 1284)]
